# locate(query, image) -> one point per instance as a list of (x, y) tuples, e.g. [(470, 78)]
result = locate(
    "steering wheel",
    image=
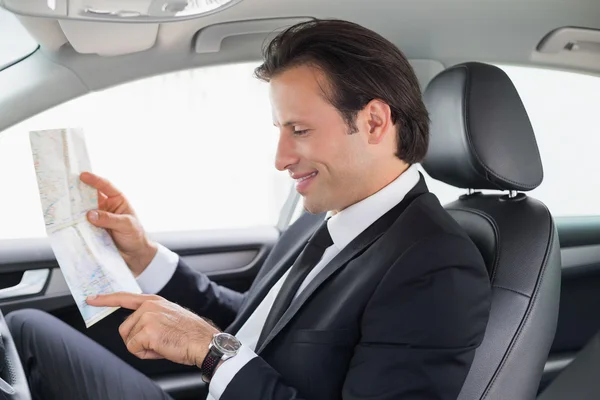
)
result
[(13, 382)]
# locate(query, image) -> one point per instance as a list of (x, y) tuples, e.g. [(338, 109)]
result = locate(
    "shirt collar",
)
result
[(347, 224)]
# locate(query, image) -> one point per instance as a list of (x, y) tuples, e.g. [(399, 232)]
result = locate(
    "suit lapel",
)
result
[(361, 242), (338, 261), (263, 287)]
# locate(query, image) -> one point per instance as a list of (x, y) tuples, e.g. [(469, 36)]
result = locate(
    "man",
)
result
[(388, 299)]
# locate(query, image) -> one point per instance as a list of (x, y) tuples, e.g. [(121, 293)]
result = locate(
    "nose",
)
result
[(286, 152)]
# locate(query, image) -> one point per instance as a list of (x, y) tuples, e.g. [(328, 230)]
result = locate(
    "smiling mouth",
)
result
[(306, 177)]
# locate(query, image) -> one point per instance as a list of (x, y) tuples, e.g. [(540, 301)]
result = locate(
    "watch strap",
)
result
[(209, 365)]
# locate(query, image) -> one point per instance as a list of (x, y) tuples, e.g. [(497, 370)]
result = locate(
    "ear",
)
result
[(379, 119)]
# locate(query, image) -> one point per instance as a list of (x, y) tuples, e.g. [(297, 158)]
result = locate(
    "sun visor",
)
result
[(109, 39), (103, 38)]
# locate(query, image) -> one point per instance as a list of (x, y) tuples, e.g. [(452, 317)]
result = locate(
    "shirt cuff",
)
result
[(227, 371), (159, 272)]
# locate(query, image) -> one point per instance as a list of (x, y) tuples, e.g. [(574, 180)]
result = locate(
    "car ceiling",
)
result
[(434, 34), (450, 31)]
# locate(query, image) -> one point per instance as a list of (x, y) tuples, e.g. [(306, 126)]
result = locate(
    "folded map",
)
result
[(87, 255)]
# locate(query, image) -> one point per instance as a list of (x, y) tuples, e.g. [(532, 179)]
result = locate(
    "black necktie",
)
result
[(306, 261)]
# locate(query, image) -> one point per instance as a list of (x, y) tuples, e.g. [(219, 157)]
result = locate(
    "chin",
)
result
[(314, 206)]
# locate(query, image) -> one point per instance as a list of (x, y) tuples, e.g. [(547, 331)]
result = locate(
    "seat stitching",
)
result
[(512, 290)]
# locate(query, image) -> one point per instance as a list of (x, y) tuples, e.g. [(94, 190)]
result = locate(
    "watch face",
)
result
[(226, 343)]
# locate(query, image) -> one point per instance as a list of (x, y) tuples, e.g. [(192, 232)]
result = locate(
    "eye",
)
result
[(300, 132)]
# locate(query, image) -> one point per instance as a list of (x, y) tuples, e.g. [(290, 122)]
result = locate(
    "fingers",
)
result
[(141, 345), (129, 323), (131, 301), (101, 184), (160, 329), (108, 220), (140, 335), (136, 321), (101, 199), (148, 355)]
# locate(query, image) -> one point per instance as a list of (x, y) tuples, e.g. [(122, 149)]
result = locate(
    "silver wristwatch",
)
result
[(222, 347)]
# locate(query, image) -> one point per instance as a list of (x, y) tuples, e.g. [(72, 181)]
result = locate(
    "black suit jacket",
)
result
[(397, 314)]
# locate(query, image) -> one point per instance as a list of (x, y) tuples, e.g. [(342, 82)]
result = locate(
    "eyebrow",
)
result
[(288, 123)]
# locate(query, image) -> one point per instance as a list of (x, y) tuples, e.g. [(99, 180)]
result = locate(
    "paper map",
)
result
[(87, 255)]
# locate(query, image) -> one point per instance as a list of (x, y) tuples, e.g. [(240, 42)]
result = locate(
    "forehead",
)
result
[(297, 92)]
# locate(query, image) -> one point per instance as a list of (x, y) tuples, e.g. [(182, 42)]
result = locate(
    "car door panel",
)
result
[(231, 258), (579, 313)]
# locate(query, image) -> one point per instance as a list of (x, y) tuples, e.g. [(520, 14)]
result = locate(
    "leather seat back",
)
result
[(481, 138)]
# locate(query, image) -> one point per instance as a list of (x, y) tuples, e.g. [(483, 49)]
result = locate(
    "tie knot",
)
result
[(321, 238)]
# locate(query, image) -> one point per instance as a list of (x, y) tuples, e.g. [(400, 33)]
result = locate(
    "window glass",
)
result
[(191, 150)]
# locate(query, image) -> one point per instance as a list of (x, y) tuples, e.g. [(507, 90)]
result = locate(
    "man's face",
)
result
[(332, 168)]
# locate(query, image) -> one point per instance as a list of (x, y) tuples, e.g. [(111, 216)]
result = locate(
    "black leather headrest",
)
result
[(481, 136)]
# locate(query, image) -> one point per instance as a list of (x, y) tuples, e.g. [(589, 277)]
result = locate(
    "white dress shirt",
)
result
[(343, 228)]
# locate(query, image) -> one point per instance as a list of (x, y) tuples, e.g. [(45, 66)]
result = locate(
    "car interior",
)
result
[(488, 156)]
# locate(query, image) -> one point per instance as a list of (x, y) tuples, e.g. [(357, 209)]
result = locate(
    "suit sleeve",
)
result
[(195, 291), (419, 330)]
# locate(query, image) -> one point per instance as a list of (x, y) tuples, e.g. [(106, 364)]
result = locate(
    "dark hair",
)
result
[(360, 66)]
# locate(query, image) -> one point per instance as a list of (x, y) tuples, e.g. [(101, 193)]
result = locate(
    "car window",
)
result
[(191, 150), (563, 109)]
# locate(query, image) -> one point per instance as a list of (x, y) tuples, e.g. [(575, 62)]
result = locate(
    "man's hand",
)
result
[(116, 215), (160, 329)]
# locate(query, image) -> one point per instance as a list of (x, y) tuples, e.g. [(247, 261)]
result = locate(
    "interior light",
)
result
[(150, 11)]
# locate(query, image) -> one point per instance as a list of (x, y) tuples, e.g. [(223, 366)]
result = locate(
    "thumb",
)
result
[(107, 220)]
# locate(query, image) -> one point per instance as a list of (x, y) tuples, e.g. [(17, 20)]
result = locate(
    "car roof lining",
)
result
[(451, 31), (433, 34)]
